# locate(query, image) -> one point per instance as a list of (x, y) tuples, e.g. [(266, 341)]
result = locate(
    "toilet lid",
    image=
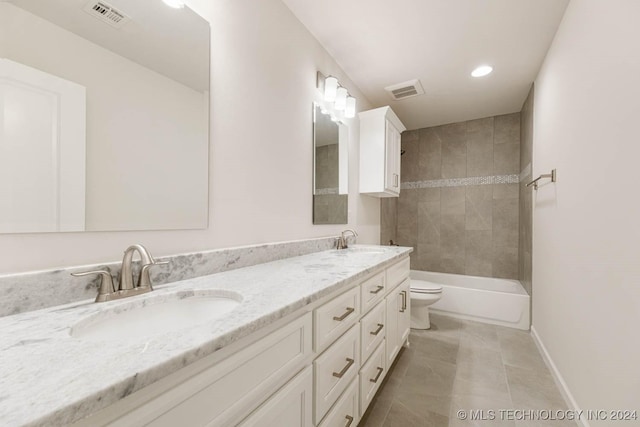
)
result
[(422, 287)]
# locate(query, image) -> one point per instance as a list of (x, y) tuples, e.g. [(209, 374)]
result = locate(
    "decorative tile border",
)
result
[(461, 182), (325, 191), (526, 172)]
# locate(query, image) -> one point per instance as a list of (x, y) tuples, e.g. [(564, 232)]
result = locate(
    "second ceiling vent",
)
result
[(405, 90)]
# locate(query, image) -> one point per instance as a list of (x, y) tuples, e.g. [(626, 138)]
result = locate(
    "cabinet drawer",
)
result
[(335, 317), (345, 412), (227, 391), (372, 291), (289, 407), (372, 331), (371, 376), (335, 369), (397, 273)]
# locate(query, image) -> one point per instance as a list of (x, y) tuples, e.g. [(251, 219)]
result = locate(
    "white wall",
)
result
[(586, 247), (264, 65)]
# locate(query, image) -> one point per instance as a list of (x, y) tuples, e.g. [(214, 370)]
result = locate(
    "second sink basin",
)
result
[(156, 314)]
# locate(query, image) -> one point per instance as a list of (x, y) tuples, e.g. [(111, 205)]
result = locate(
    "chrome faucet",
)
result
[(127, 287), (126, 278), (342, 240)]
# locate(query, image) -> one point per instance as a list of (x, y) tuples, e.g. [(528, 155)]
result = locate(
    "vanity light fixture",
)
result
[(482, 71), (330, 89), (350, 109), (176, 4), (341, 99), (336, 100)]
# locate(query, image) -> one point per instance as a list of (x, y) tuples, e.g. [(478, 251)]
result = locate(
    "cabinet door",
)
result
[(289, 407), (392, 158), (394, 304), (404, 313)]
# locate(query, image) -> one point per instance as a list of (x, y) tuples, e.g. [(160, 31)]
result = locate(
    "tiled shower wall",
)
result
[(526, 204), (458, 205)]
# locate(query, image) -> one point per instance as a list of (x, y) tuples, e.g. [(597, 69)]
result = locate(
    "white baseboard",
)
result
[(557, 377)]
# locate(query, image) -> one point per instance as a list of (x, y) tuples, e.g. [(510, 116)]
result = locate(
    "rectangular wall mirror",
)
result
[(105, 116), (330, 169)]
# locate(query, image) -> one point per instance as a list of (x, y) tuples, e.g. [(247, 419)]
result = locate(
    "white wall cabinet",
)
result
[(380, 131), (278, 378)]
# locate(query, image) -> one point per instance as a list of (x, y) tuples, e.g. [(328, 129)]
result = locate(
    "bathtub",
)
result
[(483, 299)]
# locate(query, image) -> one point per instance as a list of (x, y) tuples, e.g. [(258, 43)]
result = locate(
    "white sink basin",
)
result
[(156, 314)]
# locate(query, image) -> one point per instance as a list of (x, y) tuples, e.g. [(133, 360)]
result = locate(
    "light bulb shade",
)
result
[(330, 89), (350, 109), (341, 99)]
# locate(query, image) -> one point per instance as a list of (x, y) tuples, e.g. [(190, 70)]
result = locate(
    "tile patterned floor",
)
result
[(462, 365)]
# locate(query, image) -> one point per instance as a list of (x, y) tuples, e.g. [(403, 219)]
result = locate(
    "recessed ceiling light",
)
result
[(176, 4), (482, 70)]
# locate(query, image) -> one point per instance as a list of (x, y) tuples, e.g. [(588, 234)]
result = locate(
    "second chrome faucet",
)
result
[(342, 239), (127, 287)]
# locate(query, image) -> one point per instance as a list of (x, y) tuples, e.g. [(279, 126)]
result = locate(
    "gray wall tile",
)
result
[(506, 191), (506, 159), (411, 135), (507, 129), (505, 262), (388, 220), (454, 159), (409, 160), (505, 222), (430, 155), (479, 254), (479, 207), (428, 257), (462, 227), (452, 201), (479, 158), (429, 222)]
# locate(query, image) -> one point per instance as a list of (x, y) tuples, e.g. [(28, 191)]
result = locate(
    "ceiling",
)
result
[(172, 42), (379, 43)]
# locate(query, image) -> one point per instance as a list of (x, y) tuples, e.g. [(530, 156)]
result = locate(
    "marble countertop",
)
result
[(50, 378)]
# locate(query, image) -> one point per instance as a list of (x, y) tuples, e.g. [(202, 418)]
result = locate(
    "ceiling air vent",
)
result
[(106, 13), (405, 89)]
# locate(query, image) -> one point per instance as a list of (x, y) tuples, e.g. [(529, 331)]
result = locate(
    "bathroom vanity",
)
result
[(308, 343)]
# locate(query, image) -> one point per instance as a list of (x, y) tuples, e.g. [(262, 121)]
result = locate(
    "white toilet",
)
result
[(423, 294)]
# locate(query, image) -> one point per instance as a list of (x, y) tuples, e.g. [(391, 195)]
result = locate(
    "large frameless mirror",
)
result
[(330, 171), (105, 122)]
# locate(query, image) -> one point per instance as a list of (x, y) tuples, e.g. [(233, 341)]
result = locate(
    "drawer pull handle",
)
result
[(378, 289), (380, 371), (404, 301), (377, 331), (345, 315), (349, 420), (345, 369)]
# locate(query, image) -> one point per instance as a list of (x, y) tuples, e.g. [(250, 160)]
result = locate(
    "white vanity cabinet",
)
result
[(319, 367), (380, 148)]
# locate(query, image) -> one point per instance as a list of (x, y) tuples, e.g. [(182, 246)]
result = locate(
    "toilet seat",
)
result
[(423, 287)]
